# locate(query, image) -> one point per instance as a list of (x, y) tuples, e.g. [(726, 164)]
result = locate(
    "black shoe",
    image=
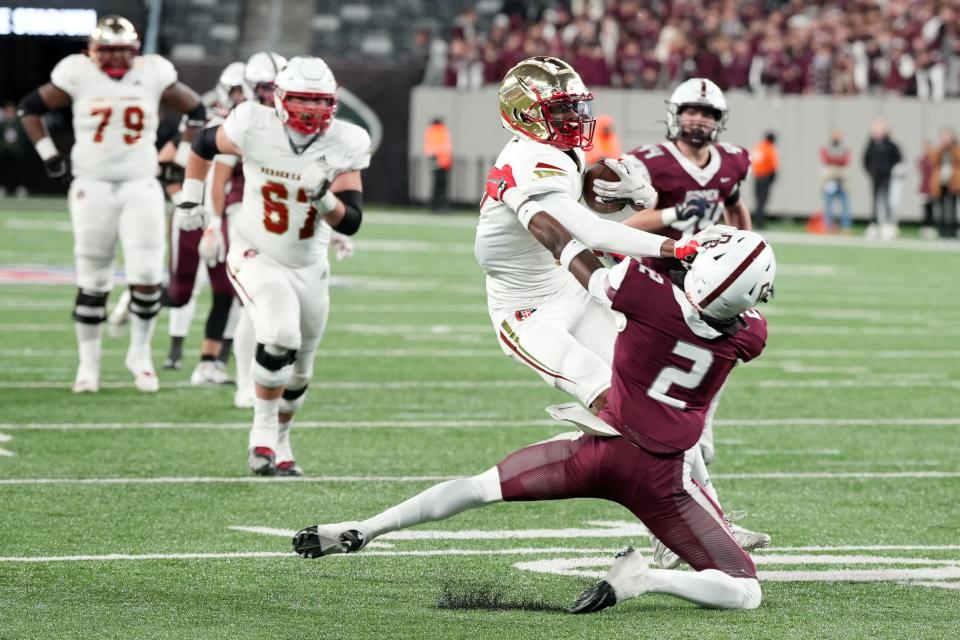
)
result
[(262, 461), (289, 468), (596, 598), (322, 540)]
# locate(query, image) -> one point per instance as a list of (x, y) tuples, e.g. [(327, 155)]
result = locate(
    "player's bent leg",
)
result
[(544, 345), (210, 370), (89, 313), (294, 395), (272, 368), (439, 502)]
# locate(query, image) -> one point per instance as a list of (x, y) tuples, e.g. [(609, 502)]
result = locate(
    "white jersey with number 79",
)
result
[(276, 217)]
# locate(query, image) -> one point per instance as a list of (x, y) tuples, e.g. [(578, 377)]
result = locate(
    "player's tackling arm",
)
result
[(737, 215)]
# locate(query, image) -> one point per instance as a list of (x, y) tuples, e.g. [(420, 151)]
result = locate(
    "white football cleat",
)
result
[(210, 372), (86, 382), (662, 555), (120, 316), (144, 376)]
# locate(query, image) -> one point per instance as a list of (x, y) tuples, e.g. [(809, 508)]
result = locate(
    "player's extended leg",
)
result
[(659, 491), (210, 369), (141, 232), (268, 292), (313, 292), (93, 213), (186, 281)]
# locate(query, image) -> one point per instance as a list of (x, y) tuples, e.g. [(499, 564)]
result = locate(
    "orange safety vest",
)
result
[(764, 160), (437, 144), (605, 145)]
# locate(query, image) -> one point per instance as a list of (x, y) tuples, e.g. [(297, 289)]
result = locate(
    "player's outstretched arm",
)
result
[(30, 110), (189, 213)]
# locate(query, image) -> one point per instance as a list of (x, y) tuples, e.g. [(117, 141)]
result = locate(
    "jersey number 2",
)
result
[(132, 120), (701, 358), (276, 216)]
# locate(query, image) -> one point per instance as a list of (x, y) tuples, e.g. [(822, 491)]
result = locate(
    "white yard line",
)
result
[(773, 475), (430, 423)]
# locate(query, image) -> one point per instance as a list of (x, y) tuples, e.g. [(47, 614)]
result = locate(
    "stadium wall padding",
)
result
[(802, 125)]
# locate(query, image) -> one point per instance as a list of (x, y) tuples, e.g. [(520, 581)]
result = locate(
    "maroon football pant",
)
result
[(653, 487), (184, 262)]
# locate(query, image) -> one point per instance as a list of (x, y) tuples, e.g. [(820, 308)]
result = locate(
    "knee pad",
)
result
[(90, 307), (273, 370), (145, 305), (292, 399), (217, 318)]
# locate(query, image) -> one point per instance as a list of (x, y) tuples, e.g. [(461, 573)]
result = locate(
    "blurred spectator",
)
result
[(438, 148), (880, 156), (835, 158), (764, 162), (909, 47), (13, 142), (945, 182), (928, 229), (606, 144)]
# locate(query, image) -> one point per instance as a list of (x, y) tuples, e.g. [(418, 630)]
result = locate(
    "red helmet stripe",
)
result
[(713, 295)]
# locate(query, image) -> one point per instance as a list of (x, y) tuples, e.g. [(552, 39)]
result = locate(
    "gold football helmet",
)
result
[(113, 44), (544, 99)]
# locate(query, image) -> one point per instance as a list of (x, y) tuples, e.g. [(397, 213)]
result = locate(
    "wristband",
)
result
[(328, 202), (215, 222), (527, 210), (46, 149), (192, 190), (513, 198), (668, 216), (183, 153), (571, 251)]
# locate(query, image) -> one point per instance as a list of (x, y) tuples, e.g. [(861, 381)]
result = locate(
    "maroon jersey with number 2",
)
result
[(668, 364)]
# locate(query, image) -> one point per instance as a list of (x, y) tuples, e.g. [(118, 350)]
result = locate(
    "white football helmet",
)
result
[(731, 275), (260, 74), (306, 95), (230, 77), (698, 92)]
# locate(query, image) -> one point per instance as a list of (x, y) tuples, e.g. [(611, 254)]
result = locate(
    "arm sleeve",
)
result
[(595, 232), (226, 159), (236, 125)]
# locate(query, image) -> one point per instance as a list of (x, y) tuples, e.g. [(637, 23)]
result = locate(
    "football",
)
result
[(600, 171)]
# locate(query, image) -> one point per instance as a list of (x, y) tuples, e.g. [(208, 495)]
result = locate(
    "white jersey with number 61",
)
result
[(276, 217), (114, 121)]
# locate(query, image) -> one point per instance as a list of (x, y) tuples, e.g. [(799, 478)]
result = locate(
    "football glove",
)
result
[(686, 250), (314, 181), (499, 181), (342, 246), (693, 208), (213, 246), (630, 187), (57, 168), (189, 216)]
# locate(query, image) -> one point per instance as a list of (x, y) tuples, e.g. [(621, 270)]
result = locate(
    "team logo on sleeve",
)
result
[(523, 314), (544, 170)]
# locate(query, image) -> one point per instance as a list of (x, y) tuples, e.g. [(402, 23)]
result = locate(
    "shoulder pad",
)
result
[(159, 69), (353, 146), (71, 72)]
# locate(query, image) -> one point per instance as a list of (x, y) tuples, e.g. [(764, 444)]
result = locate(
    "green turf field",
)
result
[(123, 516)]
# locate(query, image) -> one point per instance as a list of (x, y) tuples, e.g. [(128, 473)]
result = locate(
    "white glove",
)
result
[(713, 233), (313, 179), (213, 246), (630, 187), (189, 216), (342, 246)]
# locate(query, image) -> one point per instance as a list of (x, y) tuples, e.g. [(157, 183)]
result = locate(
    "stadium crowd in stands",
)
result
[(837, 47)]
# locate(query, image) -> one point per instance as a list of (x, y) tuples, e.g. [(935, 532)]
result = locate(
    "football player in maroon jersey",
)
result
[(681, 339), (696, 177)]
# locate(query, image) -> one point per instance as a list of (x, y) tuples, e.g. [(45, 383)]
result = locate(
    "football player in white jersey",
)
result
[(542, 317), (302, 177), (115, 94)]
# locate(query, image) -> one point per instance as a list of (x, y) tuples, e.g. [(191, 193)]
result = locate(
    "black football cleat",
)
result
[(596, 598), (262, 461), (325, 539), (289, 468)]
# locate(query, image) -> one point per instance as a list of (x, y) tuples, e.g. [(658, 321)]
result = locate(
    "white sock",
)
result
[(283, 450), (141, 333), (180, 319), (89, 337), (265, 423), (708, 588), (438, 503), (244, 346)]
